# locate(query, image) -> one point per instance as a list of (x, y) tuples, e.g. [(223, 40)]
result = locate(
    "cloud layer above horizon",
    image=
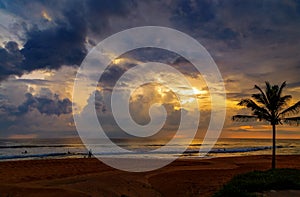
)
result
[(40, 51)]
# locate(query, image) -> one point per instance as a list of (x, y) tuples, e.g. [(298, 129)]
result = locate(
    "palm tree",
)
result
[(270, 106)]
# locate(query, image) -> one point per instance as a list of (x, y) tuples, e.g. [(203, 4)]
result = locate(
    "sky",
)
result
[(43, 43)]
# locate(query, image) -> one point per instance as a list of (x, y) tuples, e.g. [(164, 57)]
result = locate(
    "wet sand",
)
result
[(90, 177)]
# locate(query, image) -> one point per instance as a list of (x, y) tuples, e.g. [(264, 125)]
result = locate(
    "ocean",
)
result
[(20, 149)]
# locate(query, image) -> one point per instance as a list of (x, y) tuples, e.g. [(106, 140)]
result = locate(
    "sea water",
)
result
[(16, 149)]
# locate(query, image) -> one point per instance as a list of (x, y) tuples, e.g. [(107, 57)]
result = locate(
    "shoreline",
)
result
[(90, 177), (186, 156)]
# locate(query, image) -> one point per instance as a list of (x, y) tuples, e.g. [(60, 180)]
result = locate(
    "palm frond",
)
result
[(259, 98), (262, 115), (261, 112), (264, 97), (292, 121), (268, 85), (281, 88), (244, 118), (291, 110), (283, 101), (268, 91), (269, 105)]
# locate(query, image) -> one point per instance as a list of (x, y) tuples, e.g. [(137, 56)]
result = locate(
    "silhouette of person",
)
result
[(90, 153)]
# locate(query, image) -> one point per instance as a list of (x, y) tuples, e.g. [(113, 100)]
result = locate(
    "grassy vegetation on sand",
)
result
[(257, 181)]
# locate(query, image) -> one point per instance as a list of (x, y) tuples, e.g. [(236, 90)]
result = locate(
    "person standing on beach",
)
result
[(90, 153)]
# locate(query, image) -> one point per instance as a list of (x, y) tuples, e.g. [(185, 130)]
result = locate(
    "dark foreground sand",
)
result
[(90, 177)]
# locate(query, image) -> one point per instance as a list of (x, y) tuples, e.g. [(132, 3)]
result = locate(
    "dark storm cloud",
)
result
[(166, 57), (132, 58), (234, 20), (113, 73), (196, 12), (50, 49), (45, 105), (63, 41), (201, 18), (185, 67), (54, 47), (10, 60), (98, 12)]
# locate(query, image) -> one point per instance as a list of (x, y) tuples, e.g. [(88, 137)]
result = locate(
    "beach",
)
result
[(90, 177)]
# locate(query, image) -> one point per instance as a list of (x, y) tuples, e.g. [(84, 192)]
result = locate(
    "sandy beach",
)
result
[(90, 177)]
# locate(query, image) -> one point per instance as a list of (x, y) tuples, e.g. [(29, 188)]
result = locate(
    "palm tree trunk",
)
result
[(274, 147)]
